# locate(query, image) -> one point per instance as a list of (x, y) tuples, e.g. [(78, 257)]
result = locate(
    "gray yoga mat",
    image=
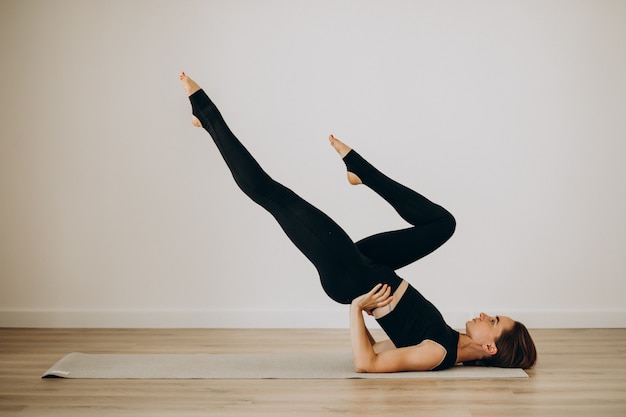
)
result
[(241, 366)]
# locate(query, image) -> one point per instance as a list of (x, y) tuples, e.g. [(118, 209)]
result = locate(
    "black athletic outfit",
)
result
[(347, 269)]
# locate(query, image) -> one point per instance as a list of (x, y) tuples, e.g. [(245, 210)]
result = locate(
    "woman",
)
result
[(362, 274)]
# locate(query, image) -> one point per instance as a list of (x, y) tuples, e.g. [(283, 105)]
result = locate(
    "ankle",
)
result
[(354, 179)]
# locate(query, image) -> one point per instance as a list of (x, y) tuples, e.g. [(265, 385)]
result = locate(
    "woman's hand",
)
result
[(364, 355), (379, 296)]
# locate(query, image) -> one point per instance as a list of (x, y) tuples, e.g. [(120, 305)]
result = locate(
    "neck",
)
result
[(468, 350)]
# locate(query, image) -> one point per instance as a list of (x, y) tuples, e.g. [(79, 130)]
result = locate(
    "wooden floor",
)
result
[(580, 373)]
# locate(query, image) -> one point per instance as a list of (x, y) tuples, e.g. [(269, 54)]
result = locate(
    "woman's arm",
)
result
[(362, 349), (370, 337), (423, 357), (381, 346), (362, 341)]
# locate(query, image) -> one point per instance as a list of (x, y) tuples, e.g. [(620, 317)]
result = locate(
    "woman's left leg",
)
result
[(432, 225)]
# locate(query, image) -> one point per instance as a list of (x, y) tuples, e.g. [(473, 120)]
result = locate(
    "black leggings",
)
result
[(346, 269)]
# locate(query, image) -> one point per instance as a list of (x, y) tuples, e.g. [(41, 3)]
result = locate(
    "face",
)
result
[(485, 329)]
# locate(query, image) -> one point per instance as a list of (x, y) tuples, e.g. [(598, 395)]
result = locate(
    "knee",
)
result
[(449, 225)]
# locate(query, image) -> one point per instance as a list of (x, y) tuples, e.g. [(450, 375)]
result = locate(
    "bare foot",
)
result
[(343, 149), (190, 87)]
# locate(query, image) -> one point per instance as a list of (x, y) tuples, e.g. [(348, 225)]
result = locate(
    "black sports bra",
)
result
[(415, 319)]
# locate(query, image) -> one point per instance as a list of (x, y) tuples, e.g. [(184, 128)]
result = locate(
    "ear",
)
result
[(490, 349)]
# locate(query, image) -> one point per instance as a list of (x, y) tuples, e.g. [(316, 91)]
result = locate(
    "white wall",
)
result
[(115, 211)]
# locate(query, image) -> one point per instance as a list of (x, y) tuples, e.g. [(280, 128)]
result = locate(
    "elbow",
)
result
[(363, 367), (361, 370)]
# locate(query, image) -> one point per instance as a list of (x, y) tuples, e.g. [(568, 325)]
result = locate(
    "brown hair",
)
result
[(516, 349)]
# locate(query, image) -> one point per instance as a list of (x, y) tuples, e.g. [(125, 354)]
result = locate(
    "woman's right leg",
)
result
[(344, 272)]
